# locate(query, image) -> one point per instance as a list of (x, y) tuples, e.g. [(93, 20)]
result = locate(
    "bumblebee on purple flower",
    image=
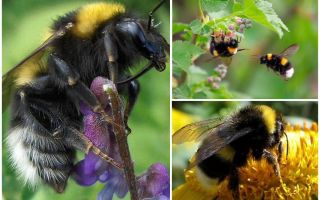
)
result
[(152, 184)]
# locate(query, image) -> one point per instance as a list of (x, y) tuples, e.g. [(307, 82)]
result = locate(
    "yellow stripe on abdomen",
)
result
[(283, 61), (226, 153)]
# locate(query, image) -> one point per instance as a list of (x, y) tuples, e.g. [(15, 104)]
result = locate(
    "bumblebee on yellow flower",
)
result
[(245, 156)]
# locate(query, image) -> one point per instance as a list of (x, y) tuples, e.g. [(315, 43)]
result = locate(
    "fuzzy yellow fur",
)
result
[(269, 116), (29, 70), (283, 61), (89, 17)]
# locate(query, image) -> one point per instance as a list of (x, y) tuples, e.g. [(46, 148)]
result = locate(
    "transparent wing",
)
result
[(196, 131), (217, 139), (226, 60), (292, 49)]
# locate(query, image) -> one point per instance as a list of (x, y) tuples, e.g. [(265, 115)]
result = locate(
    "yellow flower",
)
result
[(299, 173), (183, 119)]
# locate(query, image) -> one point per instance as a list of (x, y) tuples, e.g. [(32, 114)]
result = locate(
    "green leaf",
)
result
[(237, 7), (214, 5), (262, 12), (181, 92), (179, 27), (199, 95), (183, 53), (215, 8), (196, 26)]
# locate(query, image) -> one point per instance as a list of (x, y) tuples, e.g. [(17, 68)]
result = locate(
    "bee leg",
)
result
[(280, 151), (112, 56), (79, 141), (272, 160), (133, 90), (234, 183), (69, 79)]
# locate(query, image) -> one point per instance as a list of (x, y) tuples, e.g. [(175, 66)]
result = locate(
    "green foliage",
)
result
[(260, 11), (192, 67)]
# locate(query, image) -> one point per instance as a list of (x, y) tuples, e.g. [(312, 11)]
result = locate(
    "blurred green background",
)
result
[(24, 25), (246, 78), (295, 112)]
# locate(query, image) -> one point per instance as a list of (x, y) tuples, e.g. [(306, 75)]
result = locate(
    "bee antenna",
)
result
[(153, 11), (144, 70), (287, 144)]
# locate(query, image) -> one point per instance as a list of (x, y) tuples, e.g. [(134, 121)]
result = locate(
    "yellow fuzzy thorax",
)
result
[(269, 117), (89, 17), (232, 50), (299, 173), (269, 56)]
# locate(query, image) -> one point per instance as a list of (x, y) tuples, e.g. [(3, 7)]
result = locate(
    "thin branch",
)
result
[(122, 142)]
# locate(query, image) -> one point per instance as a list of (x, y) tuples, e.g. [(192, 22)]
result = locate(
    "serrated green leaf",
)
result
[(261, 11), (181, 92), (214, 5), (215, 8), (183, 53), (179, 27), (196, 26)]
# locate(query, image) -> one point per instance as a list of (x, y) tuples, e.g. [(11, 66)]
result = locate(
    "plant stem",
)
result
[(122, 142)]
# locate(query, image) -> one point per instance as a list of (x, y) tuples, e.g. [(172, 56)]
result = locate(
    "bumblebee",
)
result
[(280, 63), (227, 144), (46, 88), (224, 47)]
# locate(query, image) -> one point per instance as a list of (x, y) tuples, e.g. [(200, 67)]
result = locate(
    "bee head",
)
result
[(263, 60), (156, 48), (234, 43)]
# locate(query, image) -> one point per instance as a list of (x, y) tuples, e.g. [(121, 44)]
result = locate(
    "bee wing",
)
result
[(226, 60), (292, 49), (195, 131), (8, 80), (217, 139)]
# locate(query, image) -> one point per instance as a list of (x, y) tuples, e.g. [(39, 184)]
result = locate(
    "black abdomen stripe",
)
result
[(215, 167)]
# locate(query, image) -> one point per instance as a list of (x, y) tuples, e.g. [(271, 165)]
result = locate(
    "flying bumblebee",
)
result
[(279, 63), (45, 88), (227, 144)]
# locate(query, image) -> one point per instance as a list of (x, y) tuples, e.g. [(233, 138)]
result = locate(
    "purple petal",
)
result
[(106, 193), (97, 89), (154, 182)]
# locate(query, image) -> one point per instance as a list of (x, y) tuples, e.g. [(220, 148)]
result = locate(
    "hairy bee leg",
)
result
[(234, 183), (272, 160), (112, 56), (280, 151), (79, 141), (133, 90), (75, 87)]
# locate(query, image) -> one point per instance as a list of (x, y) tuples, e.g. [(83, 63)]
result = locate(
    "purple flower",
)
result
[(231, 27), (92, 169), (153, 184)]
